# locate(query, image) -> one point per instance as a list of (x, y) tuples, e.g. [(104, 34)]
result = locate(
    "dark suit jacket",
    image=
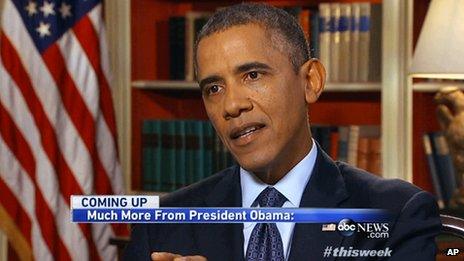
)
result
[(332, 185)]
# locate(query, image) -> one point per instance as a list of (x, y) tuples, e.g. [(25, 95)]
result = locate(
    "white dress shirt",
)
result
[(292, 186)]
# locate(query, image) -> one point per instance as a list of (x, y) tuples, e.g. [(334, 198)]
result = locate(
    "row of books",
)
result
[(176, 153), (346, 37), (356, 145), (441, 167), (350, 41)]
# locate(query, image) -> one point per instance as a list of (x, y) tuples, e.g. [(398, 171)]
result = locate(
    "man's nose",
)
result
[(236, 101)]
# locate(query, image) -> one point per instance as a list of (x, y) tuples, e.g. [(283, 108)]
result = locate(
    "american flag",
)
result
[(57, 128)]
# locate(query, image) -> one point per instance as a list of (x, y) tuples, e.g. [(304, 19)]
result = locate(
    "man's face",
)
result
[(253, 97)]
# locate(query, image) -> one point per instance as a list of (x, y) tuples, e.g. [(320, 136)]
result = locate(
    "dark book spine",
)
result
[(177, 48), (433, 170), (375, 45), (191, 146), (324, 137), (168, 175), (149, 143), (314, 35), (180, 154), (209, 144), (444, 165)]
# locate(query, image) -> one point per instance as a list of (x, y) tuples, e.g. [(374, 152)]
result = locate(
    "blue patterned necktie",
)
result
[(265, 242)]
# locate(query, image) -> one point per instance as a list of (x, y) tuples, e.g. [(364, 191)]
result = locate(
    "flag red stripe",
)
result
[(88, 38), (78, 112), (16, 212), (71, 97), (66, 180), (20, 148)]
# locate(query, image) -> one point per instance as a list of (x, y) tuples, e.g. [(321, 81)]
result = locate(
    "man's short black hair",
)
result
[(284, 31)]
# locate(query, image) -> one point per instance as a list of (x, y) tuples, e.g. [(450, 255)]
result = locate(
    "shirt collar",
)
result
[(292, 185)]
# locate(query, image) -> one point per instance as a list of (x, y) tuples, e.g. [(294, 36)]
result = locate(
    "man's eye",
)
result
[(213, 89), (253, 75)]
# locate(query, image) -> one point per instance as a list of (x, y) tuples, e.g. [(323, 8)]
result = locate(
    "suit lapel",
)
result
[(325, 189), (222, 241)]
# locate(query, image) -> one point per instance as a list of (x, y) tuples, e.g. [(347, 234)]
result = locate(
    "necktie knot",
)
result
[(265, 241), (271, 197)]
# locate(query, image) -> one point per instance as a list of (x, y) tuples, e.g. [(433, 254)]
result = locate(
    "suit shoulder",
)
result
[(194, 194), (377, 192)]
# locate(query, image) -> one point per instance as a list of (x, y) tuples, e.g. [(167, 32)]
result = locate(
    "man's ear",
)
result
[(314, 73)]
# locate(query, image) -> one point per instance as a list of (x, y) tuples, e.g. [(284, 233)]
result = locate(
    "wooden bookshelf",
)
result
[(151, 104), (149, 22)]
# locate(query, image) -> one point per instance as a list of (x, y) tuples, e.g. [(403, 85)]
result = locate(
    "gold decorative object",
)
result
[(450, 113)]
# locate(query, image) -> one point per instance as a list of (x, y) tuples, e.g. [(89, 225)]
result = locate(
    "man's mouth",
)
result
[(245, 130)]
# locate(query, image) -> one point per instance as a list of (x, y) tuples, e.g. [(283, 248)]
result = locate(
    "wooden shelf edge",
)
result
[(165, 85), (433, 86), (186, 85), (353, 86)]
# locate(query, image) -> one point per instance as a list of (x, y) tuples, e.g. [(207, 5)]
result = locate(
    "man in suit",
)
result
[(257, 80)]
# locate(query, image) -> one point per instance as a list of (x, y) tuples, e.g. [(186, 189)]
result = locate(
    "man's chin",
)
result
[(257, 160), (253, 165)]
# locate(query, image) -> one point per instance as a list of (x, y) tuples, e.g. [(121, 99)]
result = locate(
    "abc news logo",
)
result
[(347, 227)]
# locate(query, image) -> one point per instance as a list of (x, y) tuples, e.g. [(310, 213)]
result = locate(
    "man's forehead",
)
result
[(237, 45)]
